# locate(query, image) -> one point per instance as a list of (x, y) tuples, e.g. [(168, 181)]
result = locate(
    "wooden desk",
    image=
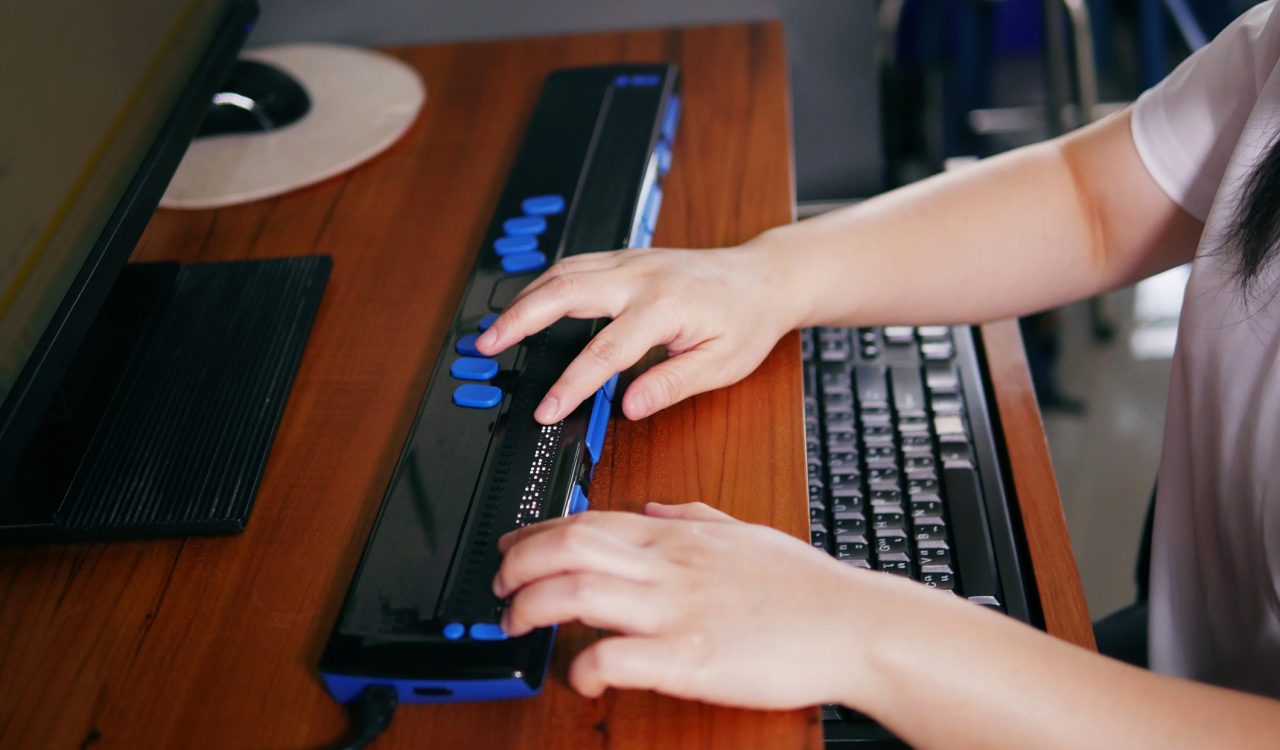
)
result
[(214, 642)]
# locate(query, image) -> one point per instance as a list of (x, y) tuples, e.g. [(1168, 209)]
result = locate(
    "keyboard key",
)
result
[(486, 321), (473, 368), (918, 466), (958, 455), (938, 350), (842, 482), (891, 548), (938, 580), (908, 390), (897, 335), (926, 511), (917, 445), (877, 435), (818, 538), (543, 205), (847, 507), (476, 396), (941, 376), (873, 386), (929, 534), (885, 479), (943, 426), (876, 416), (934, 559), (525, 225), (923, 489), (850, 530), (946, 403), (900, 568), (891, 521), (974, 554), (886, 498), (852, 551), (934, 332)]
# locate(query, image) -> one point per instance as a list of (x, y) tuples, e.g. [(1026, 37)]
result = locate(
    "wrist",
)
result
[(784, 275)]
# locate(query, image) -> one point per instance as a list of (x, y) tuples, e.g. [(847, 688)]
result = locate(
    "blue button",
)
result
[(525, 225), (467, 346), (622, 80), (646, 79), (652, 207), (671, 118), (597, 425), (486, 321), (543, 205), (476, 396), (454, 630), (577, 500), (664, 157), (644, 238), (520, 243), (487, 631), (610, 387), (473, 368), (524, 262)]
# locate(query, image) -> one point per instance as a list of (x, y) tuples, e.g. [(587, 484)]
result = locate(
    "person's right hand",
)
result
[(717, 312)]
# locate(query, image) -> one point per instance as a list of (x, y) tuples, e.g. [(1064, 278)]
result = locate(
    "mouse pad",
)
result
[(361, 102)]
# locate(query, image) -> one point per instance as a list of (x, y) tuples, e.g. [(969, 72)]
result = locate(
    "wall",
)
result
[(831, 46)]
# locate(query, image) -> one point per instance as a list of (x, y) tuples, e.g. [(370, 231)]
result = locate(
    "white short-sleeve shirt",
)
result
[(1215, 573)]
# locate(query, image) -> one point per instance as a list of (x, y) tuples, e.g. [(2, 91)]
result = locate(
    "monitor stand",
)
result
[(163, 423)]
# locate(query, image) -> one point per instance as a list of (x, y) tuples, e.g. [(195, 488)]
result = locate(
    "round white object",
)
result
[(361, 102)]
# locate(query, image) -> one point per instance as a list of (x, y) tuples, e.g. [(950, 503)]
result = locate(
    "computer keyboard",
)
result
[(420, 614), (904, 472)]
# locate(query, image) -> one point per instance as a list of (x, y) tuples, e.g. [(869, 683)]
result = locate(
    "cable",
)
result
[(373, 711)]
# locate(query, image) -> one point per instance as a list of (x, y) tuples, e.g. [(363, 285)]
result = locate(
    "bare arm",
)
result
[(1025, 231), (1032, 229), (699, 614)]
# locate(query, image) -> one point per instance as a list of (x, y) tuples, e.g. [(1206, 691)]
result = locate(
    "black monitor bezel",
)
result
[(27, 401)]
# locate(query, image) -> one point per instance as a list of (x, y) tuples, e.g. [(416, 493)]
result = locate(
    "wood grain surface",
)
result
[(214, 642), (1056, 577)]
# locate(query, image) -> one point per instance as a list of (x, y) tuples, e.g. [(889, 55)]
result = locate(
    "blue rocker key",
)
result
[(487, 631), (519, 243), (543, 205), (578, 501), (524, 262), (486, 321), (467, 346), (525, 225), (454, 630), (477, 396), (473, 368)]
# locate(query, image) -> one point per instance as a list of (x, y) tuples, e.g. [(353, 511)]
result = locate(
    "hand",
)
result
[(717, 312), (707, 608)]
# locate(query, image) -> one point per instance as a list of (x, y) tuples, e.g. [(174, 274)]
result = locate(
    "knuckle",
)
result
[(603, 349), (669, 383), (562, 286), (576, 537)]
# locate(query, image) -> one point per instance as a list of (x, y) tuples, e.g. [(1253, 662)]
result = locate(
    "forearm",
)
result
[(948, 674), (1028, 230)]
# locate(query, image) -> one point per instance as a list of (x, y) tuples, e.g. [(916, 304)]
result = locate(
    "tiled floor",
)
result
[(1106, 459)]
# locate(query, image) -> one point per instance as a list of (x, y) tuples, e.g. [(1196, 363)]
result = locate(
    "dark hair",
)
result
[(1255, 229)]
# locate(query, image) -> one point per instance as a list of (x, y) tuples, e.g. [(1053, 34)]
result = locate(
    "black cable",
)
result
[(372, 712)]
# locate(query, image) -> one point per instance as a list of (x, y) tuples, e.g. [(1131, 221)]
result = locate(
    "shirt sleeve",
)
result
[(1186, 127)]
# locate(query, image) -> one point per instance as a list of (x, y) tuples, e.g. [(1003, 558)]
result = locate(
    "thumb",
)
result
[(686, 512), (670, 382), (636, 662)]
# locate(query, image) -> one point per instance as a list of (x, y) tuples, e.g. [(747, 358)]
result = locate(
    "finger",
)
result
[(618, 346), (572, 548), (572, 264), (636, 662), (686, 511), (671, 381), (571, 295), (596, 600), (629, 527)]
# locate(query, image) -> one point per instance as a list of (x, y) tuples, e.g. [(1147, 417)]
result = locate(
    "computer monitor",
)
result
[(101, 101)]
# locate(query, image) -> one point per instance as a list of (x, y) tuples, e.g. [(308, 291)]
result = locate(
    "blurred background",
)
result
[(889, 91)]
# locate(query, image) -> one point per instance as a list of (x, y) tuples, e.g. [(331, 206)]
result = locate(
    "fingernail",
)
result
[(505, 622), (487, 339), (639, 406), (548, 411), (499, 590)]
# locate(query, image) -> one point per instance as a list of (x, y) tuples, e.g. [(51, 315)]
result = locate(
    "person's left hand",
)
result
[(706, 607)]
